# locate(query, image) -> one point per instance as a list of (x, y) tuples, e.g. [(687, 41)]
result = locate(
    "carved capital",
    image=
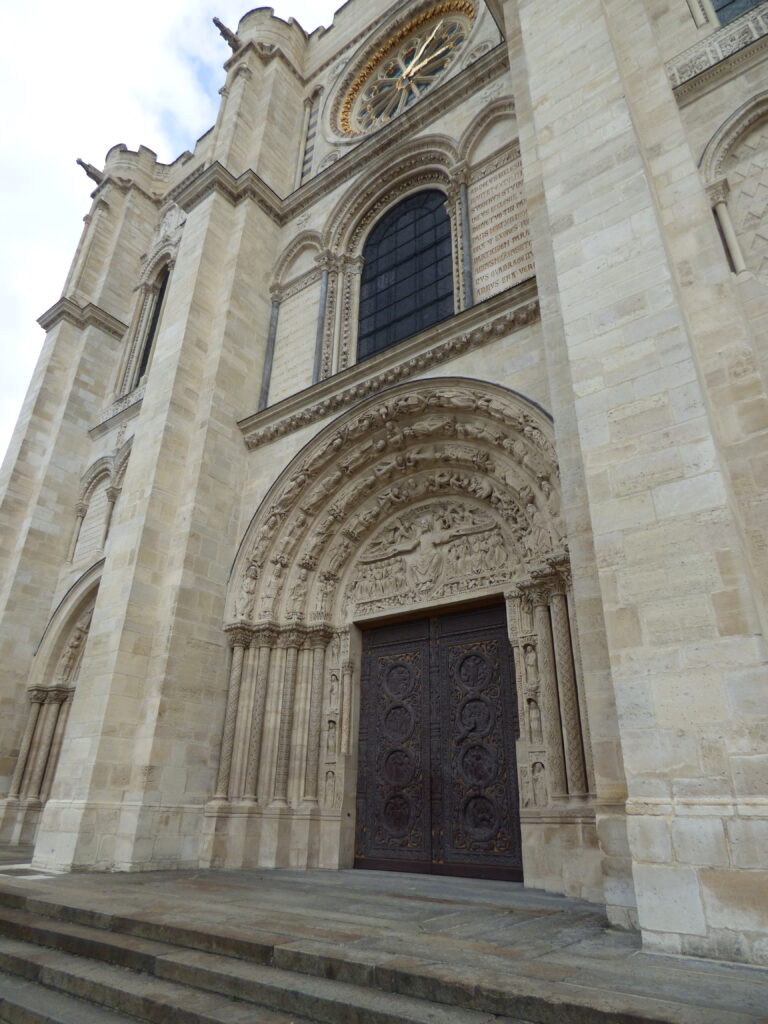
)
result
[(112, 494), (37, 695), (718, 191), (265, 635), (319, 637), (239, 634), (353, 264), (243, 71), (59, 695), (81, 509), (293, 637)]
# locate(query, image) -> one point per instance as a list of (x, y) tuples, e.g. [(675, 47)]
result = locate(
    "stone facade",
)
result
[(208, 498)]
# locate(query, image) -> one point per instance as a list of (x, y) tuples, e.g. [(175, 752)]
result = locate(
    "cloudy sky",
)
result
[(77, 78)]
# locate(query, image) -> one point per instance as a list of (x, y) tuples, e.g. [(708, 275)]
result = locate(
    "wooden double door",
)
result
[(437, 780)]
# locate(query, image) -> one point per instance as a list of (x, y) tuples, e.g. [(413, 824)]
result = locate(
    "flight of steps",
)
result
[(63, 964)]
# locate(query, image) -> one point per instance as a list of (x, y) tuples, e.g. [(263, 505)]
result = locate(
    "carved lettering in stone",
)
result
[(501, 239)]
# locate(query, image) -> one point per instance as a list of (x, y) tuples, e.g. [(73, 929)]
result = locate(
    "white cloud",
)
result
[(78, 78)]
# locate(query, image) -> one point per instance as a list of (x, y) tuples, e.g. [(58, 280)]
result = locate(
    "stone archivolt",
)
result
[(429, 492)]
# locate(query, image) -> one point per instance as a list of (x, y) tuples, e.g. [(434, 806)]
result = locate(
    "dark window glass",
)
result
[(154, 320), (407, 280), (727, 10)]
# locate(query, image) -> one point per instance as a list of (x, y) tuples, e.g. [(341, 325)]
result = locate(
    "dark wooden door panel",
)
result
[(437, 785)]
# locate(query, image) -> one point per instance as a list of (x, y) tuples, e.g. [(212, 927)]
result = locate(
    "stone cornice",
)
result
[(122, 410), (89, 315), (472, 328), (719, 56), (216, 178)]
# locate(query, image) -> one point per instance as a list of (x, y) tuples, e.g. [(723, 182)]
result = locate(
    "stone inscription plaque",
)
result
[(501, 240)]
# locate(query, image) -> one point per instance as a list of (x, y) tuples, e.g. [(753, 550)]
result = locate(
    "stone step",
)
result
[(22, 1002), (204, 986), (330, 981), (126, 994)]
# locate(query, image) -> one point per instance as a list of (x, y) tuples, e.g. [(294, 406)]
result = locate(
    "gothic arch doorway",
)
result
[(437, 778), (431, 493)]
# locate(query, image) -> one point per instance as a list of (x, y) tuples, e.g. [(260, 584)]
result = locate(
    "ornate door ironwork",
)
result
[(437, 780)]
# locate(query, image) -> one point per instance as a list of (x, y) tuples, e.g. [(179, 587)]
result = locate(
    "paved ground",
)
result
[(466, 927)]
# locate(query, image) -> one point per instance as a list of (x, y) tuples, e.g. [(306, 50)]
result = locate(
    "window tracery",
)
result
[(406, 284)]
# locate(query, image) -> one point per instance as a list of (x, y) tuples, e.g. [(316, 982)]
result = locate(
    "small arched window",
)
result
[(152, 322), (407, 279)]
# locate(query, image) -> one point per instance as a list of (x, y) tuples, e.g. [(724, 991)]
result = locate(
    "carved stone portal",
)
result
[(430, 491)]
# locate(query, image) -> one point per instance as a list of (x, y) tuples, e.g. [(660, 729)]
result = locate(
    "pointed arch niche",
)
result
[(430, 493), (49, 694)]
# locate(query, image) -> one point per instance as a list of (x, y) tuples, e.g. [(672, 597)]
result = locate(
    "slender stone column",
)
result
[(550, 709), (729, 235), (48, 718), (37, 699), (320, 333), (239, 639), (62, 698), (308, 102), (269, 355), (81, 510), (345, 709), (569, 700), (350, 306), (466, 246), (319, 642), (293, 641), (112, 493), (577, 664), (265, 640)]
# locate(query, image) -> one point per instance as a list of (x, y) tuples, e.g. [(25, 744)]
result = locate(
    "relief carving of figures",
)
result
[(330, 788), (531, 668), (69, 663), (428, 548), (330, 745), (297, 594), (526, 616), (246, 599), (333, 691), (534, 722), (273, 586)]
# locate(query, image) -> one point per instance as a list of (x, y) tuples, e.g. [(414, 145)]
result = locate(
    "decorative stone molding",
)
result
[(79, 316), (714, 57), (471, 329), (377, 147), (430, 491), (123, 409)]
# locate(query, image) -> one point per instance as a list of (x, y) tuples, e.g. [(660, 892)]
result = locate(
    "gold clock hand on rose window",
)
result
[(421, 49), (427, 60)]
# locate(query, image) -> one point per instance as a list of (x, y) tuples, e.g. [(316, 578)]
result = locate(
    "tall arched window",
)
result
[(407, 279), (152, 323)]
